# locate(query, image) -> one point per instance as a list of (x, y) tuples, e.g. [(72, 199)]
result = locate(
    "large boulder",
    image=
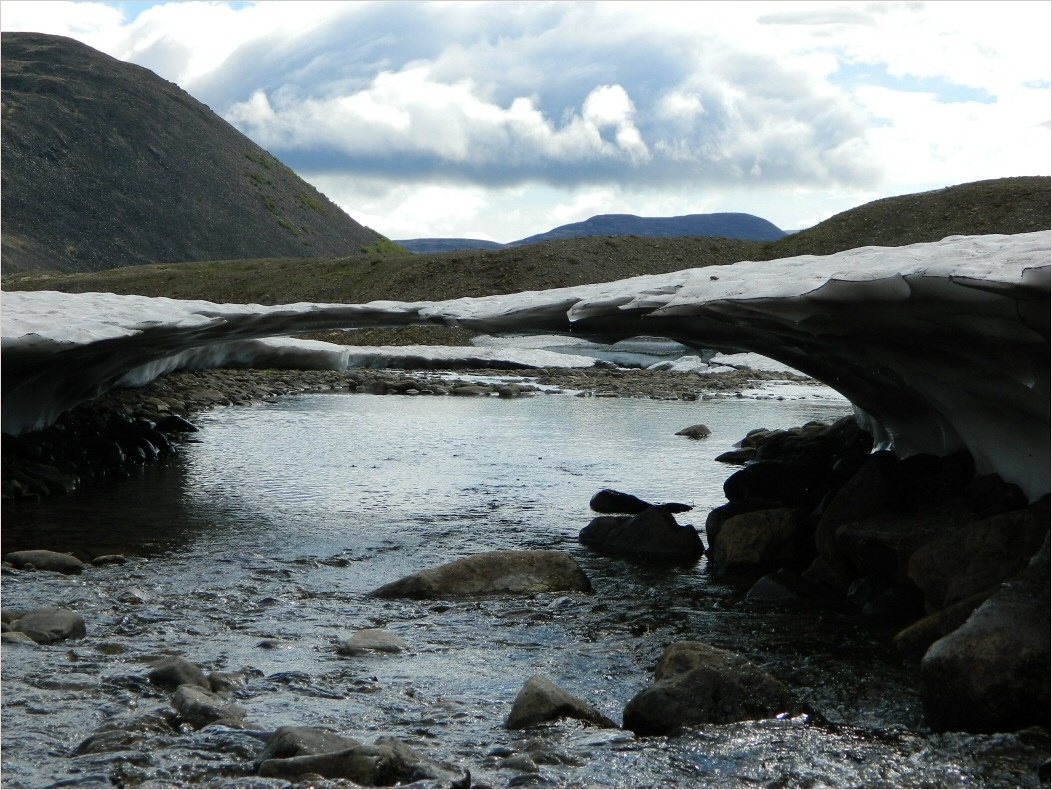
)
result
[(992, 673), (880, 547), (45, 626), (652, 535), (540, 700), (756, 542), (493, 573), (696, 684), (873, 490), (976, 557), (44, 560), (788, 484)]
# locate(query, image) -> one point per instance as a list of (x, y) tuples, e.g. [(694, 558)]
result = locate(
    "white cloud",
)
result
[(494, 108)]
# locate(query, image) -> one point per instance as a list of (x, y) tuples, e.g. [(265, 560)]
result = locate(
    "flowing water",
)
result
[(254, 551)]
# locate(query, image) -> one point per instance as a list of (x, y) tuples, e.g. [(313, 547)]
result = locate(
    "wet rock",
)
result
[(470, 390), (740, 456), (698, 431), (880, 547), (44, 560), (298, 741), (914, 640), (872, 491), (493, 573), (610, 501), (15, 637), (788, 484), (386, 763), (540, 700), (371, 640), (110, 559), (696, 684), (992, 674), (785, 587), (45, 626), (199, 708), (650, 536), (976, 557), (173, 423), (171, 673), (756, 542)]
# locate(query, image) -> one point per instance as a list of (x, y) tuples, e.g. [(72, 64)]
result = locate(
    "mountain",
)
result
[(724, 225), (105, 164), (434, 246)]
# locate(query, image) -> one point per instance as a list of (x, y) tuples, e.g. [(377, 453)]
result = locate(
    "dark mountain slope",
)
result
[(105, 164), (1003, 205), (724, 225)]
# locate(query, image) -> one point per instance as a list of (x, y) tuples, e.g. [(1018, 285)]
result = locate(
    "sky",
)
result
[(499, 120)]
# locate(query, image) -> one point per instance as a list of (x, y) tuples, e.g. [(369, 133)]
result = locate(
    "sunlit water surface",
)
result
[(255, 550)]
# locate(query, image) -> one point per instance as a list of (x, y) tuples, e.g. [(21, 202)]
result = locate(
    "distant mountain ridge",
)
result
[(105, 164), (727, 225)]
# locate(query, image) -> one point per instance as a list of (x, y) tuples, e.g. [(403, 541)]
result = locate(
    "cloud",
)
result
[(644, 106)]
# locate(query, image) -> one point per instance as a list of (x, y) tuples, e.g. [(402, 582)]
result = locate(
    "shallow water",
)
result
[(254, 552)]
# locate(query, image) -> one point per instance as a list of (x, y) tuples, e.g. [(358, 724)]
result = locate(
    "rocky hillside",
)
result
[(105, 164)]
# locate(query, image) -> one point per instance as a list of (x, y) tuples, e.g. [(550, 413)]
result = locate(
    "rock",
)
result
[(15, 637), (696, 684), (470, 390), (610, 501), (540, 700), (44, 560), (992, 673), (386, 763), (650, 536), (787, 484), (371, 640), (698, 431), (786, 588), (297, 741), (493, 573), (872, 491), (756, 542), (914, 640), (880, 547), (976, 557), (740, 456), (173, 423), (199, 708), (45, 626), (171, 673), (110, 559), (718, 516)]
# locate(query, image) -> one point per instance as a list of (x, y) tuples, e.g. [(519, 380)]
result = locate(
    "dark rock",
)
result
[(371, 640), (173, 423), (740, 456), (872, 491), (540, 700), (785, 483), (784, 587), (171, 673), (386, 763), (45, 626), (43, 560), (297, 741), (650, 536), (698, 431), (696, 684), (610, 501), (199, 708), (976, 557), (914, 640), (493, 573), (756, 542), (881, 546), (992, 674), (719, 515), (110, 559)]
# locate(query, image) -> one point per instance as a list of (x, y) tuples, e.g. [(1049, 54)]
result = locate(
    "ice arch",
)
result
[(939, 346)]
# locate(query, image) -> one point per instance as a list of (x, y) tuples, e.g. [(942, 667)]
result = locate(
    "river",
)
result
[(253, 552)]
